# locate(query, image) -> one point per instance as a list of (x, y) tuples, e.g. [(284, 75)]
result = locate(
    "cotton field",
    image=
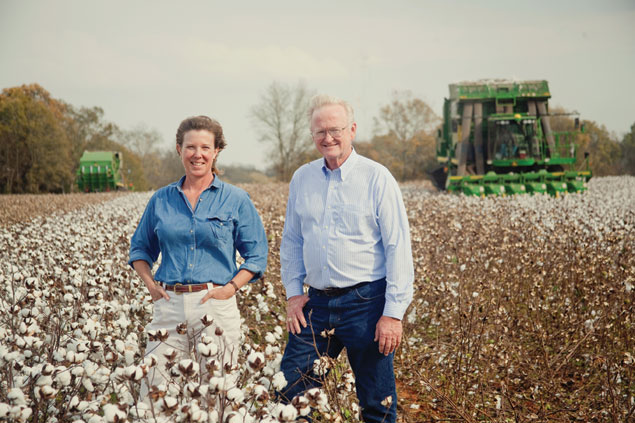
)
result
[(523, 311)]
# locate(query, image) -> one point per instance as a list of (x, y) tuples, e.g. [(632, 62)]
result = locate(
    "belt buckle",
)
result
[(176, 292)]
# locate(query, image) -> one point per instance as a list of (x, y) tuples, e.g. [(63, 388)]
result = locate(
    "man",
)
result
[(346, 236)]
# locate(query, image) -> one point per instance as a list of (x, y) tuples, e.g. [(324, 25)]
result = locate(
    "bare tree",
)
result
[(281, 121), (406, 117), (404, 128), (145, 143)]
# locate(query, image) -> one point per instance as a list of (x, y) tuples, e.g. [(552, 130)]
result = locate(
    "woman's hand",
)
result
[(143, 270), (224, 292), (157, 292)]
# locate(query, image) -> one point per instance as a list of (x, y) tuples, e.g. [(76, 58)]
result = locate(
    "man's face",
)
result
[(334, 149)]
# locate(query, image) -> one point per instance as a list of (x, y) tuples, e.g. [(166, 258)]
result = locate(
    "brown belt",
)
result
[(180, 288)]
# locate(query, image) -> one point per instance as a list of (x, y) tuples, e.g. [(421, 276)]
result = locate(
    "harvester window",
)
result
[(511, 139)]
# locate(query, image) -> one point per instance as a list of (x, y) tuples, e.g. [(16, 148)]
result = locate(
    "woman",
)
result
[(197, 224)]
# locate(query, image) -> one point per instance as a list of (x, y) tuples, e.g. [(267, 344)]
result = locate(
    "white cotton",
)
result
[(16, 396), (112, 413), (279, 381), (235, 394), (63, 378), (4, 409)]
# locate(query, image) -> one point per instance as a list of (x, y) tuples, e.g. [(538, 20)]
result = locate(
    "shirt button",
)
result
[(190, 264), (191, 248), (191, 230)]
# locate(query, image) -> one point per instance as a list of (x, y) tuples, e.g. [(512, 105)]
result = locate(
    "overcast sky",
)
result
[(154, 63)]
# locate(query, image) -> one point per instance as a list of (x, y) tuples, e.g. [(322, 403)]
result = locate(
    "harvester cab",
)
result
[(497, 139)]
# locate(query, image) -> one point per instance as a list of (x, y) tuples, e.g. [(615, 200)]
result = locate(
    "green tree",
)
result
[(628, 152), (89, 131), (35, 150), (604, 150), (281, 120)]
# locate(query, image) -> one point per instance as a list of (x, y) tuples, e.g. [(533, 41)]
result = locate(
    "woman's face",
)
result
[(197, 153)]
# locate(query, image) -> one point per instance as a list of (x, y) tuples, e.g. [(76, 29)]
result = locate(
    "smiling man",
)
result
[(346, 236)]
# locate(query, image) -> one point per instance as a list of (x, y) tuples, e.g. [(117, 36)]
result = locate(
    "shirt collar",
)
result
[(216, 183), (345, 169)]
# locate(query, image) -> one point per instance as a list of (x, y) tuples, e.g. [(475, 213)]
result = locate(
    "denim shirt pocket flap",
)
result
[(222, 226)]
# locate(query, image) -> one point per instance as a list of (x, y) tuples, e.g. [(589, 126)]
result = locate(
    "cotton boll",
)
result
[(256, 361), (120, 346), (43, 380), (63, 378), (134, 373), (16, 396), (113, 414), (287, 413), (279, 381), (141, 410), (169, 403), (302, 404), (235, 394), (198, 416), (150, 360), (212, 417), (129, 357), (234, 417), (96, 418), (88, 385), (270, 338), (45, 392)]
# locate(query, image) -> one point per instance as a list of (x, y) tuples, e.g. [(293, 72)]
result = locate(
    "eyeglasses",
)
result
[(334, 132)]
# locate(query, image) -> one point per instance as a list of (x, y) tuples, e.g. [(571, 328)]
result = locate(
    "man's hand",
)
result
[(388, 332), (224, 292), (295, 315)]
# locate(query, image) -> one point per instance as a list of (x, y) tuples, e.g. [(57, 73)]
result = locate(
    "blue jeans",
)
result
[(354, 316)]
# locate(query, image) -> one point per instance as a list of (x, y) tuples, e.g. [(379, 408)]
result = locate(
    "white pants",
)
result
[(183, 308)]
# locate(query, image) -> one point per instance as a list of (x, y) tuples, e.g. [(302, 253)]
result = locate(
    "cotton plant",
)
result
[(72, 339)]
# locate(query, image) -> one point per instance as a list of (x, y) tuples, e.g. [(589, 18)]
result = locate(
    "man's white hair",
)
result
[(322, 100)]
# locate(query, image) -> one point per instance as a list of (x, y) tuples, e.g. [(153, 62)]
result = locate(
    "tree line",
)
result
[(43, 138), (404, 135)]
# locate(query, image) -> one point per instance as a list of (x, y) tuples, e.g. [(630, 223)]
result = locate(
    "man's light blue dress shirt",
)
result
[(199, 245), (347, 226)]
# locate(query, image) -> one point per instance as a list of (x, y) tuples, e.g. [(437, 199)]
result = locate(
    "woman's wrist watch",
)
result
[(234, 285)]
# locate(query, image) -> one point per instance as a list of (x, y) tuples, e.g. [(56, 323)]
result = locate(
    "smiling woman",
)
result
[(197, 224)]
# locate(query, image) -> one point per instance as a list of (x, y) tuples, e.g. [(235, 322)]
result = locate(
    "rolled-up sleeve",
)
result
[(395, 235), (144, 244), (292, 270), (251, 240)]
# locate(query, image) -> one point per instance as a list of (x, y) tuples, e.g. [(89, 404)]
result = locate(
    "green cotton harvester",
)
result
[(100, 171), (497, 139)]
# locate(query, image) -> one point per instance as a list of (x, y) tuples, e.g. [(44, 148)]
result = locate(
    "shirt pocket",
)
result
[(354, 220), (222, 227)]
